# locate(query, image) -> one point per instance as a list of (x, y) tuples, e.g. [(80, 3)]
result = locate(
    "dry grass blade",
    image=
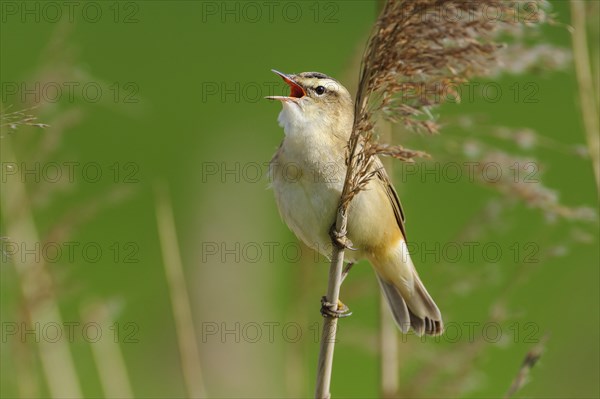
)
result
[(15, 119), (107, 354), (184, 324), (530, 360), (397, 151)]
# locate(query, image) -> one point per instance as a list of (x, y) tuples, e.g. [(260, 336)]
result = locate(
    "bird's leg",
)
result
[(341, 310), (338, 310), (347, 270), (340, 239)]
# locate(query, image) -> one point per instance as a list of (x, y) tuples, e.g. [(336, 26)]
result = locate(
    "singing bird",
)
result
[(307, 176)]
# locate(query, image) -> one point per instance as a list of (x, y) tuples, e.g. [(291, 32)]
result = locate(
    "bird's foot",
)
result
[(340, 239), (335, 311)]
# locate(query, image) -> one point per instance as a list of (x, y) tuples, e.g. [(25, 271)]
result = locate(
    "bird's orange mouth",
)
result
[(296, 91)]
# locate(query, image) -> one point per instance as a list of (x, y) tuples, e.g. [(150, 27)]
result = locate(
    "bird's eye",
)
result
[(320, 90)]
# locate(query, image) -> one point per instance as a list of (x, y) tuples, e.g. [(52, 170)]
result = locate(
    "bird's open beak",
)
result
[(296, 91)]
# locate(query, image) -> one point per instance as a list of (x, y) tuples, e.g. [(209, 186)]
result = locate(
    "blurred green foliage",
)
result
[(182, 85)]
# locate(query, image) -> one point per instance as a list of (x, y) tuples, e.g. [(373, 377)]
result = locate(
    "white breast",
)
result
[(307, 178)]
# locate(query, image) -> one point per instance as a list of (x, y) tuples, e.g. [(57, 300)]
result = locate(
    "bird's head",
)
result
[(315, 101)]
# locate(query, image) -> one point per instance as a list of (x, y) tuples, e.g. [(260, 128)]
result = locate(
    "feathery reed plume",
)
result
[(418, 53), (15, 119)]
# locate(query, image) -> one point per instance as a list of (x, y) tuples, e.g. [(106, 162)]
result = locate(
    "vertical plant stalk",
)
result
[(328, 335), (182, 313), (107, 355), (589, 109), (388, 333), (38, 290), (388, 347)]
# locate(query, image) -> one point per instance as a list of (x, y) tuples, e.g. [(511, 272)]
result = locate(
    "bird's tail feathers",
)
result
[(408, 299)]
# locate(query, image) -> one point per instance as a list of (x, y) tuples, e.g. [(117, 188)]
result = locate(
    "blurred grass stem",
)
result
[(587, 97), (388, 333), (182, 313), (107, 354), (36, 284)]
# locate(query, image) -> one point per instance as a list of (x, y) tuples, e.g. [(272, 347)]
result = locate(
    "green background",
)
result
[(199, 127)]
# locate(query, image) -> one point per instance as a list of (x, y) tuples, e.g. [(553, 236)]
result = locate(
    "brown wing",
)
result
[(381, 174)]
